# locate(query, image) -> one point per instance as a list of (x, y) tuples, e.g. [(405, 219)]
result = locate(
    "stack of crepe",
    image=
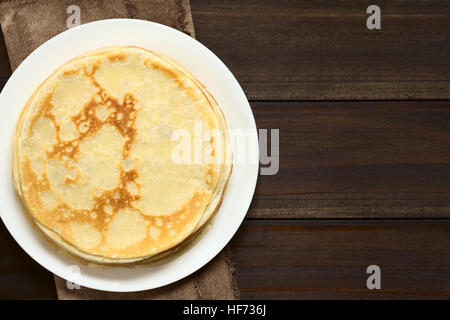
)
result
[(93, 158)]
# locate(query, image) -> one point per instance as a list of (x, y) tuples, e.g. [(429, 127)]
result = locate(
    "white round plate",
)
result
[(208, 69)]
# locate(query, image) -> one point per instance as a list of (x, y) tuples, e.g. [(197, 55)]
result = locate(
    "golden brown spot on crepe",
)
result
[(52, 216), (70, 72), (68, 180), (116, 57), (68, 151), (171, 74), (87, 118), (43, 111)]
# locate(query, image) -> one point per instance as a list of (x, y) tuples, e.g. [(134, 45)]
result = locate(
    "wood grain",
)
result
[(20, 276), (294, 259), (327, 259), (322, 50), (356, 160)]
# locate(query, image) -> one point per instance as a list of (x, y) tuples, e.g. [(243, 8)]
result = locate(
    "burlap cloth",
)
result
[(26, 24)]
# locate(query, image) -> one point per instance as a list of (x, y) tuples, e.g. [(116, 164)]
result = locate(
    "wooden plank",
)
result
[(356, 160), (310, 50), (297, 259), (322, 50), (20, 276), (328, 259)]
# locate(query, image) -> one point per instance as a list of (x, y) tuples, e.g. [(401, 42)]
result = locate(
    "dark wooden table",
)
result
[(364, 119)]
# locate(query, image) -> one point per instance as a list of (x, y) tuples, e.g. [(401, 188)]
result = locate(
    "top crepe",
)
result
[(94, 155)]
